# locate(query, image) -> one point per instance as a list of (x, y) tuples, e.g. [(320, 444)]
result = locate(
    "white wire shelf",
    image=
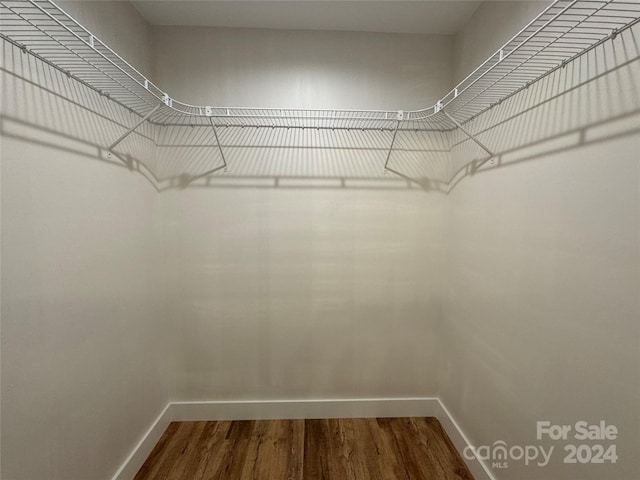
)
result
[(563, 31)]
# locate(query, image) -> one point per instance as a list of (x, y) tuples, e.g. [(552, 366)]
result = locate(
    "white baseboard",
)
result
[(312, 408), (479, 468), (142, 450)]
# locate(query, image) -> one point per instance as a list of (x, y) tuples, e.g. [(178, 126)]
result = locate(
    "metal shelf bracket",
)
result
[(209, 114), (561, 33), (468, 134), (399, 118), (134, 128)]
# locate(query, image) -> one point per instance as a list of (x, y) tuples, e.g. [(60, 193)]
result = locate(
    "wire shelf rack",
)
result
[(565, 30)]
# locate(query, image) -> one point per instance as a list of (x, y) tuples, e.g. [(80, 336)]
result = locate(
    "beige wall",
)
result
[(303, 293), (283, 285), (119, 25), (307, 272), (492, 25), (542, 305), (301, 69), (82, 375)]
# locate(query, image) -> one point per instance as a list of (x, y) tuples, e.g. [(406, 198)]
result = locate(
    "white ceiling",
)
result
[(437, 17)]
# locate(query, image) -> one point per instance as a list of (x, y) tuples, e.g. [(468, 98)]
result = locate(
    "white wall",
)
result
[(492, 25), (308, 273), (82, 373), (301, 69), (119, 25), (542, 306), (302, 293), (283, 285)]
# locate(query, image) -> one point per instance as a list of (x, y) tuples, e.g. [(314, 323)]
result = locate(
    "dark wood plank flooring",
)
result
[(330, 449)]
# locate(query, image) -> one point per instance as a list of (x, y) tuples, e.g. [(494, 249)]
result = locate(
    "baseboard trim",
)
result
[(479, 468), (305, 408), (142, 450)]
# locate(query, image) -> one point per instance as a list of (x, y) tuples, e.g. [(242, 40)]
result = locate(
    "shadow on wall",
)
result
[(42, 105), (297, 158), (588, 101), (573, 106)]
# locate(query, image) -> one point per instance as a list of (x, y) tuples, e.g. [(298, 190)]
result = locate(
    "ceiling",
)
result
[(397, 16)]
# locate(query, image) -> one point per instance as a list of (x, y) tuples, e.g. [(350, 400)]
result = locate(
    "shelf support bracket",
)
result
[(400, 117), (393, 140), (215, 134), (133, 129), (468, 134)]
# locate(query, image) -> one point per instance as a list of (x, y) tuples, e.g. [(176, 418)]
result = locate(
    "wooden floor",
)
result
[(335, 449)]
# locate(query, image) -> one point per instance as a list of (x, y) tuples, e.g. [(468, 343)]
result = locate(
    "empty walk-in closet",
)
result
[(320, 240)]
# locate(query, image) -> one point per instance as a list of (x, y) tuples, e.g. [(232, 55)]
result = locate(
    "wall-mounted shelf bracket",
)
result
[(562, 32), (167, 100), (468, 134), (209, 113), (399, 118), (133, 129)]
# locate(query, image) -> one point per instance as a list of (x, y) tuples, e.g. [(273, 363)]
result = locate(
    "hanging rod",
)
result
[(563, 31)]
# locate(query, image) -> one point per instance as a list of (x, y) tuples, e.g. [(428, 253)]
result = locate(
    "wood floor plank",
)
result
[(408, 469), (295, 461), (188, 453), (155, 457), (171, 451), (409, 444), (323, 449), (316, 450), (219, 462), (210, 442), (279, 451), (441, 449), (361, 455), (237, 452), (389, 459)]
